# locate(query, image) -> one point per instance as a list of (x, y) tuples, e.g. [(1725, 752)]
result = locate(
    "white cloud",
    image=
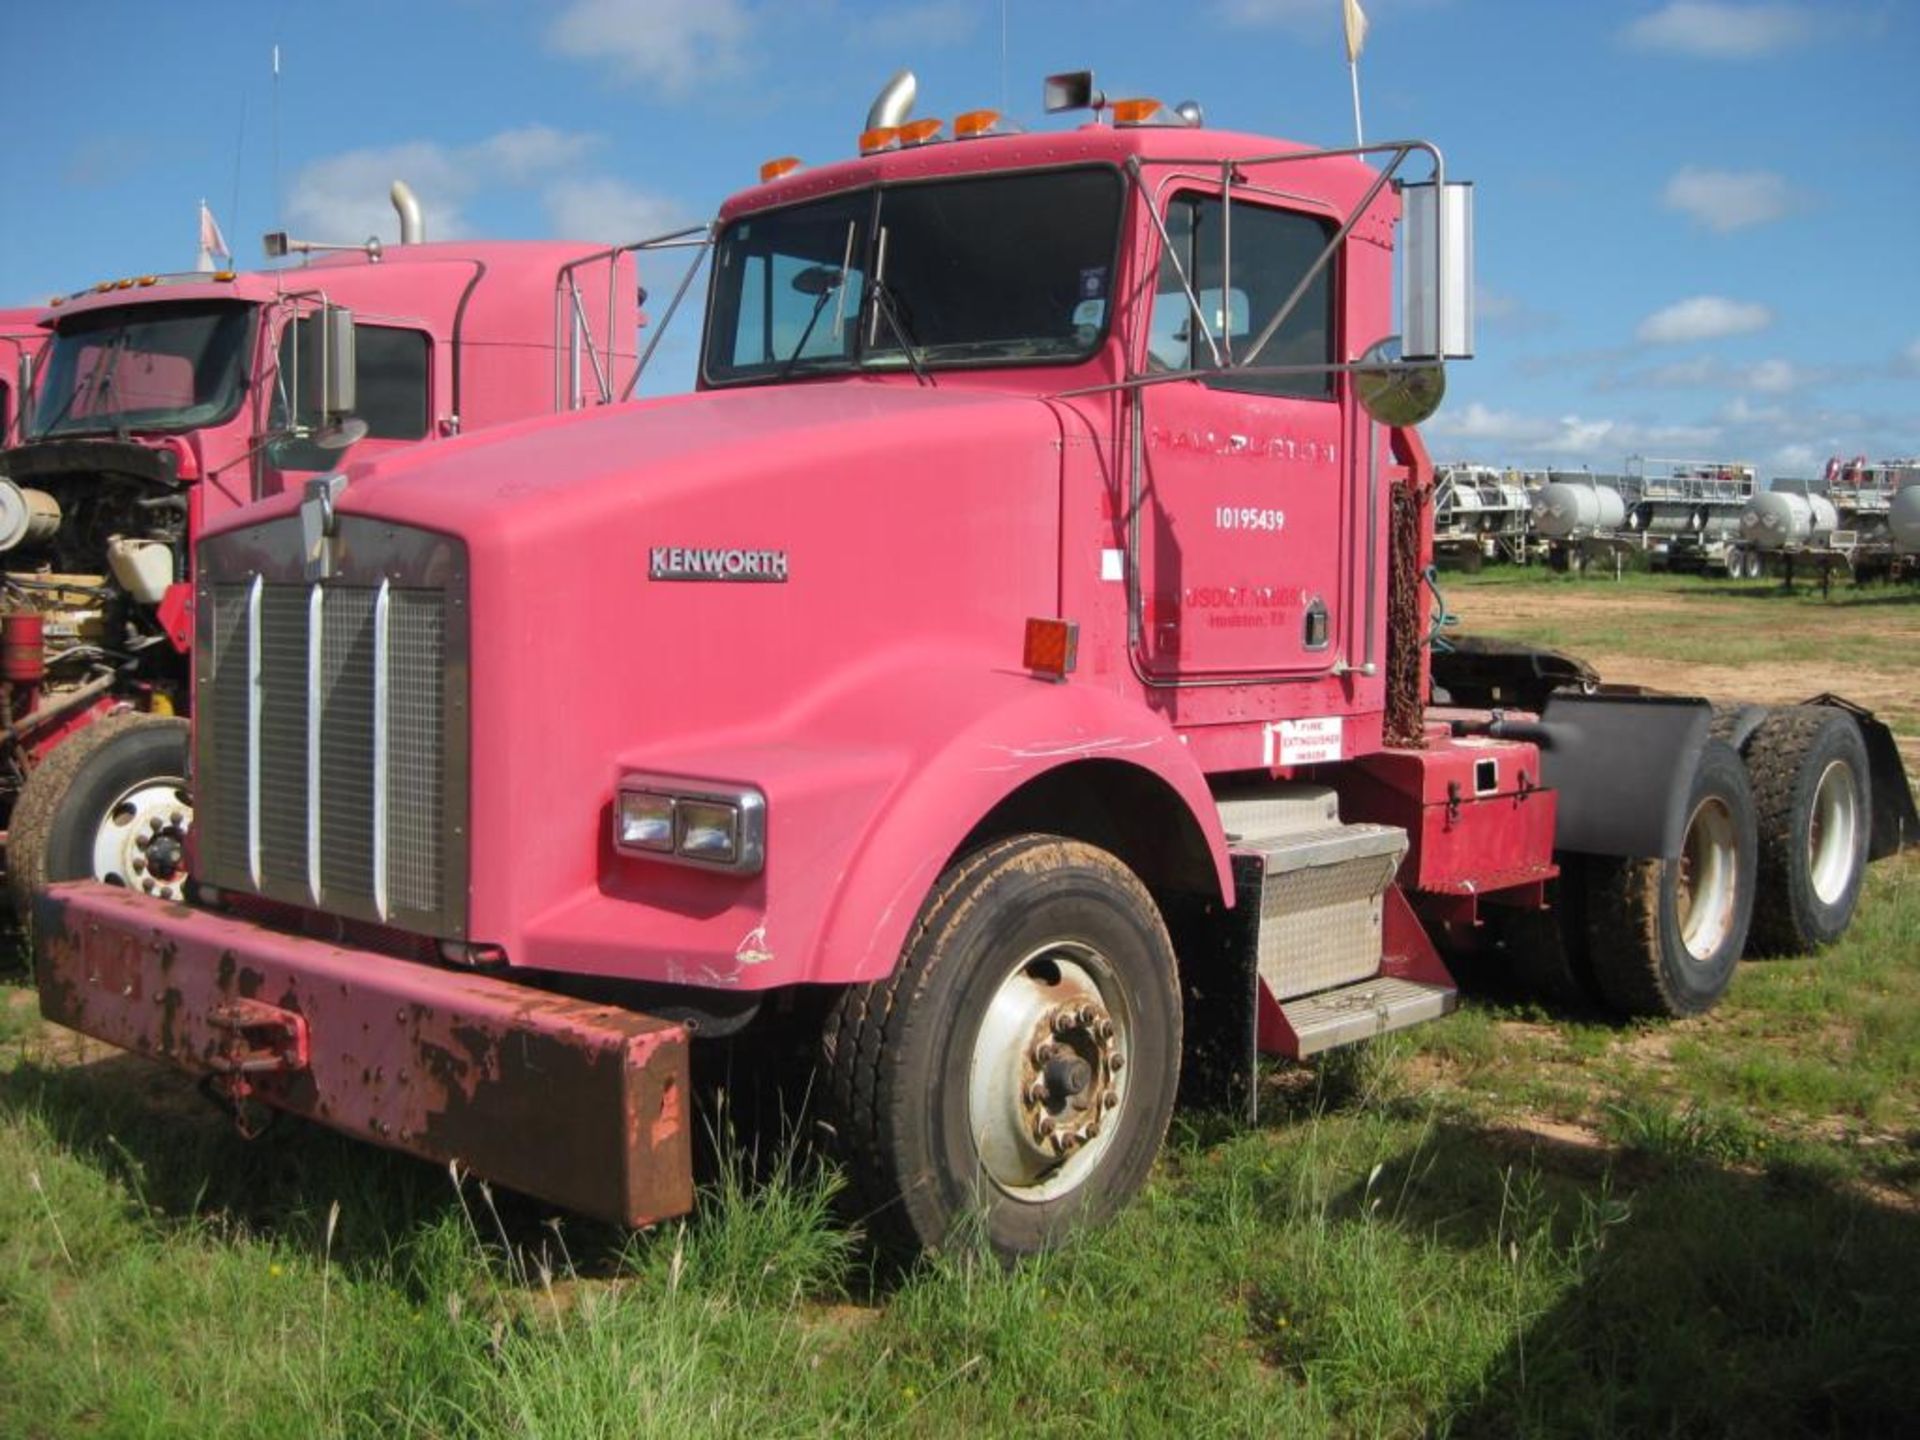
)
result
[(673, 45), (1568, 437), (1704, 317), (1726, 200), (1710, 30), (910, 29), (1706, 372), (602, 208), (344, 197), (1796, 459)]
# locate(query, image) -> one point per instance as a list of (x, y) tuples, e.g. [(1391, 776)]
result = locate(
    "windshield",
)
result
[(171, 365), (985, 271)]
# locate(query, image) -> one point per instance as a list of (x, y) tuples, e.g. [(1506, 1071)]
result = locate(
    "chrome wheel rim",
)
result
[(1044, 1090), (1709, 878), (141, 840), (1833, 828)]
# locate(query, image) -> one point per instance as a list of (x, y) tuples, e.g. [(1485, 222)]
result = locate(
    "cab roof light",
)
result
[(774, 169), (226, 276), (972, 124), (1136, 112), (149, 280), (100, 287), (920, 132), (881, 137), (126, 284)]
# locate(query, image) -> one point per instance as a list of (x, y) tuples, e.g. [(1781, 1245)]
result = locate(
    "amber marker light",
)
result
[(774, 169), (919, 132), (972, 124), (1134, 112), (149, 280), (224, 276), (1052, 647), (872, 142)]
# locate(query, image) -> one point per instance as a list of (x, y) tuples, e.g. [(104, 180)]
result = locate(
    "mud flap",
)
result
[(1219, 953), (580, 1104)]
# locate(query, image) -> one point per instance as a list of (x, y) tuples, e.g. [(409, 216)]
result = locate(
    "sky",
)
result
[(1698, 221)]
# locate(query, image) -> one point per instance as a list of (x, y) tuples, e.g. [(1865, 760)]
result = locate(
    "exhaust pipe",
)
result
[(413, 227), (894, 103)]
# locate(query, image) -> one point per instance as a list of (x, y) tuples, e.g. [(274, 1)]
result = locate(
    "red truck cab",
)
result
[(1011, 661)]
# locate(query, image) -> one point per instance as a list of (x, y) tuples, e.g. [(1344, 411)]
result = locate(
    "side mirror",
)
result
[(1436, 276), (337, 373), (1393, 392)]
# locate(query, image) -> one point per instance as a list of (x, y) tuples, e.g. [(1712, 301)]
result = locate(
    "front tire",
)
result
[(110, 803), (1810, 791), (1017, 1071), (1664, 936)]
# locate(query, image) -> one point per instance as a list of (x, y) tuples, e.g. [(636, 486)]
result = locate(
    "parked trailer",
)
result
[(1009, 670), (1844, 521), (1479, 514), (164, 403)]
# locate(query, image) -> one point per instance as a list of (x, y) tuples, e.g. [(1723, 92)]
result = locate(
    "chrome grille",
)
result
[(331, 745)]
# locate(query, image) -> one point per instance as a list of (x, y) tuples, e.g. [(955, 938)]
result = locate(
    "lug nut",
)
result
[(1043, 1052), (1062, 1021), (1045, 1127), (147, 885), (142, 841), (1090, 1129), (1105, 1030), (1115, 1061), (178, 817), (1087, 1012), (1110, 1100), (1036, 1092), (139, 866)]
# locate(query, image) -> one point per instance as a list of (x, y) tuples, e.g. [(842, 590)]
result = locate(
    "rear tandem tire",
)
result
[(1664, 936), (1035, 962), (1810, 776)]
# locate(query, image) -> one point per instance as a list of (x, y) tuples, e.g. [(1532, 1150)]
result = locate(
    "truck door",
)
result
[(1247, 484), (393, 366)]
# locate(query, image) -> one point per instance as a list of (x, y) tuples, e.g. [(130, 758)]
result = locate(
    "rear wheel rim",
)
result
[(1833, 827), (1709, 878), (1044, 1090), (141, 840)]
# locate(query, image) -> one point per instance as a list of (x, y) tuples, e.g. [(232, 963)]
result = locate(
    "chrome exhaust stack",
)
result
[(413, 225)]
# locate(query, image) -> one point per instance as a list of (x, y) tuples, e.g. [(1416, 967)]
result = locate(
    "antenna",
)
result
[(279, 197)]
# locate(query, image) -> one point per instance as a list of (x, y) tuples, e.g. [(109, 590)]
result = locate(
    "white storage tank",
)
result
[(1571, 509), (1777, 519)]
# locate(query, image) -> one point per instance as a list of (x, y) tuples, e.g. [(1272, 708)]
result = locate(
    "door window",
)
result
[(1272, 249)]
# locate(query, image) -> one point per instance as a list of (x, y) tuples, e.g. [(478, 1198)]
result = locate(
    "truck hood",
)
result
[(512, 482)]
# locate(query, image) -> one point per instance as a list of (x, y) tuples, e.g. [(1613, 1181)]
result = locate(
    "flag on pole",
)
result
[(212, 242), (1356, 29)]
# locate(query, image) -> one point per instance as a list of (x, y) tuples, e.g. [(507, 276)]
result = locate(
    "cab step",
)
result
[(1362, 1010)]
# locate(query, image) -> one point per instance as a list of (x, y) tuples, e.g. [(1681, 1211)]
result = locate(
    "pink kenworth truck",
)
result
[(21, 340), (1010, 672), (154, 406)]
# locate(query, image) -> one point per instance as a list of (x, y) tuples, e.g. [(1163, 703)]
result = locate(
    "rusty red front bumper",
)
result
[(583, 1105)]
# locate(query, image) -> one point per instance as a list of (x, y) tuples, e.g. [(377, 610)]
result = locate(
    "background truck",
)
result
[(1008, 672), (21, 339), (163, 403)]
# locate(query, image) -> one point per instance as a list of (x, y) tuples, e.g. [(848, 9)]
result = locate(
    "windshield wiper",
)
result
[(885, 307), (822, 283), (94, 386)]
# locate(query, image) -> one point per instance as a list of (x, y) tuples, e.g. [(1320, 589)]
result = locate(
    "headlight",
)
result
[(646, 821), (721, 827)]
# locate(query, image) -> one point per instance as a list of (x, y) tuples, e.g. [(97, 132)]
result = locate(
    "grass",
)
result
[(1511, 1222)]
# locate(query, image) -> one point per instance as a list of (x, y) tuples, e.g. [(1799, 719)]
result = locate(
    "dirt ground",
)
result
[(1889, 688)]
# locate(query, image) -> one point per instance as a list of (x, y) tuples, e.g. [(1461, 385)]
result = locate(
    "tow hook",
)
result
[(258, 1039)]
